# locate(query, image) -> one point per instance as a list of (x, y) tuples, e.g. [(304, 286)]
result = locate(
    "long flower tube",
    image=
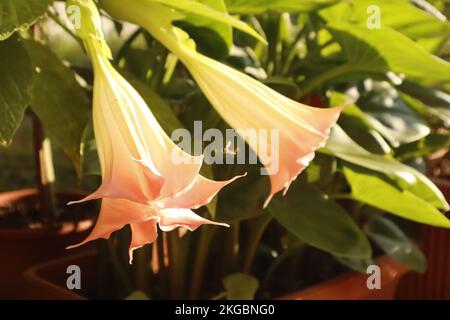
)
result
[(142, 185), (243, 102)]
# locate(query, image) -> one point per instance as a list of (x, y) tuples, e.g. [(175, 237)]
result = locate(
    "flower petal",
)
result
[(114, 215), (142, 233), (170, 219), (198, 194)]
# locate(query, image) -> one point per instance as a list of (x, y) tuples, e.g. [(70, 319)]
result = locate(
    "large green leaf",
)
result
[(16, 75), (260, 6), (211, 36), (382, 193), (307, 213), (383, 50), (342, 146), (390, 116), (429, 100), (244, 198), (357, 125), (19, 14), (203, 10), (400, 15), (389, 237), (59, 101), (240, 286)]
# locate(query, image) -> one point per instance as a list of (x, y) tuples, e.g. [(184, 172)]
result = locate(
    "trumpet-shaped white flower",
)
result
[(141, 184), (242, 101)]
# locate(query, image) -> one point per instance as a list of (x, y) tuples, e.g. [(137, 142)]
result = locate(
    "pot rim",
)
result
[(391, 271), (32, 274), (65, 228)]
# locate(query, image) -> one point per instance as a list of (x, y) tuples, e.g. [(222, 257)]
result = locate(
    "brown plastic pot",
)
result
[(435, 282), (353, 285), (23, 248)]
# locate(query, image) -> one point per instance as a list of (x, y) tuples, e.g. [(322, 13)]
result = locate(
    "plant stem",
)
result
[(44, 163), (127, 44), (59, 22), (175, 270), (200, 259), (273, 34), (258, 226), (162, 267), (45, 172), (120, 272), (309, 84), (142, 259)]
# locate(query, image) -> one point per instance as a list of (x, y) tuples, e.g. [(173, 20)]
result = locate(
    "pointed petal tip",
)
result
[(222, 224), (269, 198)]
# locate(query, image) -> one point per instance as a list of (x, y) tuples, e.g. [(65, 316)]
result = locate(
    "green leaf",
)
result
[(391, 117), (18, 15), (426, 146), (240, 286), (356, 124), (356, 264), (430, 100), (200, 9), (321, 170), (389, 237), (342, 146), (382, 193), (306, 212), (213, 37), (158, 106), (260, 6), (16, 74), (244, 198), (400, 15), (383, 50), (59, 101)]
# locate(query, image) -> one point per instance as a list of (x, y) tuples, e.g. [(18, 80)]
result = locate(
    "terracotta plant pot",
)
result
[(48, 280), (21, 248), (435, 282), (353, 285)]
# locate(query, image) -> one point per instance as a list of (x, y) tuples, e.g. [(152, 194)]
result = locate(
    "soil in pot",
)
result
[(25, 240)]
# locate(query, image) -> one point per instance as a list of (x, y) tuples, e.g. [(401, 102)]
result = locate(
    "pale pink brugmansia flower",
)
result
[(142, 185), (243, 102)]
